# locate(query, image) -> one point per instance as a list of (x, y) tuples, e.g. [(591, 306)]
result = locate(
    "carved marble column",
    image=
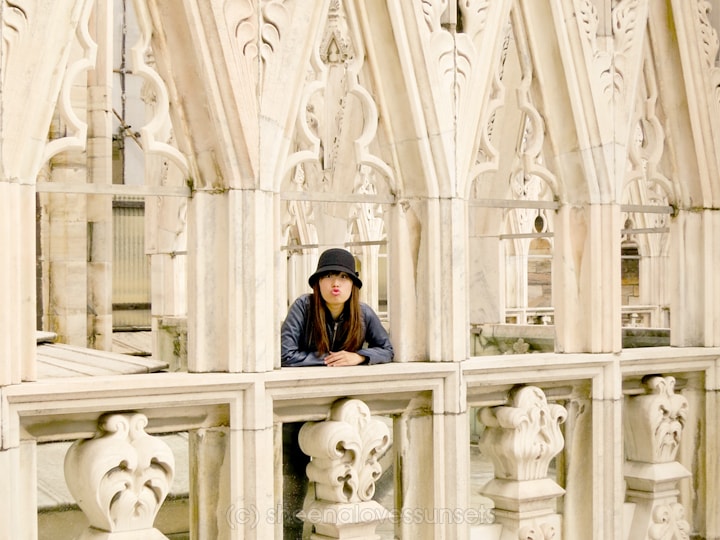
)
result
[(521, 438), (653, 425), (120, 478), (345, 452)]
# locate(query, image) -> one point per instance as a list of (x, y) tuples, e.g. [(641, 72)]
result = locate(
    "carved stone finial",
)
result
[(654, 421), (345, 450), (120, 477), (522, 438)]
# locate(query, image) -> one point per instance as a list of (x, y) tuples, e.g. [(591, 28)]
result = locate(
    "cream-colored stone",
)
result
[(447, 139), (120, 478)]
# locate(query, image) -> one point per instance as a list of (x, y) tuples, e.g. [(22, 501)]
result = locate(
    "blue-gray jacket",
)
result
[(295, 349)]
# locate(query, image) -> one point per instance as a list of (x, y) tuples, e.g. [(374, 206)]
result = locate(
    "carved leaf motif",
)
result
[(474, 16), (241, 15), (542, 531), (625, 22), (710, 44), (443, 45), (121, 477), (588, 21), (654, 421), (275, 18), (668, 523), (432, 12), (627, 31), (522, 438), (345, 452), (709, 41)]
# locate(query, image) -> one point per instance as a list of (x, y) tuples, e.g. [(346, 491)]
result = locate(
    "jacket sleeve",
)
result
[(378, 349), (292, 331)]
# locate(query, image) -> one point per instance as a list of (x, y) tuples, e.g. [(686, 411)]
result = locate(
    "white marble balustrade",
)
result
[(565, 435)]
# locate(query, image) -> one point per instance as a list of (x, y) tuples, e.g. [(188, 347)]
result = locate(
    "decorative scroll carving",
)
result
[(345, 450), (543, 531), (120, 477), (654, 421), (522, 438), (668, 523)]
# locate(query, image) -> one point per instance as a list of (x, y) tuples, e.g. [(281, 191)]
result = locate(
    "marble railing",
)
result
[(600, 446), (633, 316)]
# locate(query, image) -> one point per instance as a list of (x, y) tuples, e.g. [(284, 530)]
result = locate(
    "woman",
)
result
[(328, 327), (331, 327)]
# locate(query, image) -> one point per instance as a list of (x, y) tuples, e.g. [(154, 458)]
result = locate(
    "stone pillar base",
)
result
[(91, 533), (523, 496), (525, 507), (333, 521), (652, 488)]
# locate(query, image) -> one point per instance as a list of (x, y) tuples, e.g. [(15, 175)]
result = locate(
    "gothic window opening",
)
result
[(113, 167), (644, 280)]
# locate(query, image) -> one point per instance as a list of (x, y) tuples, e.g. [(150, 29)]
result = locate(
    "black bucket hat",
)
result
[(336, 260)]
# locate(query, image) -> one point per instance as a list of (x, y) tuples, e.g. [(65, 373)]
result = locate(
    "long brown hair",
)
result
[(352, 325)]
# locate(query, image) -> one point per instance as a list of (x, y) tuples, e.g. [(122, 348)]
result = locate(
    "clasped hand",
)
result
[(343, 358)]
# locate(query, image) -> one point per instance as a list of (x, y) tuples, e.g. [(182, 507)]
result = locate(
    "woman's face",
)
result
[(335, 288)]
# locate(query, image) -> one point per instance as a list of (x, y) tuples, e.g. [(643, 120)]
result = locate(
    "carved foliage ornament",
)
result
[(523, 437), (345, 450), (654, 421), (709, 44), (454, 53), (668, 523), (544, 531), (257, 35), (628, 25), (120, 477)]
